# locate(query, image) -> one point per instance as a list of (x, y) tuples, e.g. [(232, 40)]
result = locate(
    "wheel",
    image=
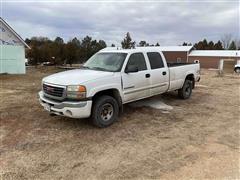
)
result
[(186, 91), (237, 70), (105, 111)]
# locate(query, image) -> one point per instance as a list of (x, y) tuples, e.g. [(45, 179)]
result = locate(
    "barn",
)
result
[(213, 58), (176, 53), (12, 50)]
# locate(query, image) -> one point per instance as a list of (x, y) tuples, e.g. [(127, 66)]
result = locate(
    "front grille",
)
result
[(53, 90)]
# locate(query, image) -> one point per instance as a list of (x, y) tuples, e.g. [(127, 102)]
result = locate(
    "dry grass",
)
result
[(199, 138)]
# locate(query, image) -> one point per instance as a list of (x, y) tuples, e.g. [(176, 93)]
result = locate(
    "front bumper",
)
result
[(73, 109)]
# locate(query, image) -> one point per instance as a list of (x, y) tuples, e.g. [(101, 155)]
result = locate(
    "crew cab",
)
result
[(113, 77)]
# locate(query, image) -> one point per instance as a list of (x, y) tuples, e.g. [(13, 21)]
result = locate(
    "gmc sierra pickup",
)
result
[(113, 77)]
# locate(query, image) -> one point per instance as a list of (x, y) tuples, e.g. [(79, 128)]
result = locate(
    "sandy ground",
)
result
[(196, 139)]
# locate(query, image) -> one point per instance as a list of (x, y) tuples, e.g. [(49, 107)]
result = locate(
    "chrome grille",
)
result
[(53, 90)]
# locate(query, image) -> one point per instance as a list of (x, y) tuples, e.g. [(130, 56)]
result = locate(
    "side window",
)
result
[(138, 60), (155, 60)]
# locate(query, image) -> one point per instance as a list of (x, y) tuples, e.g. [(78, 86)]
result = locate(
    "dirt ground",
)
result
[(197, 139)]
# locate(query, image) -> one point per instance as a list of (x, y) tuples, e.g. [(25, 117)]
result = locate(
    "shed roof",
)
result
[(216, 53), (14, 32), (151, 48)]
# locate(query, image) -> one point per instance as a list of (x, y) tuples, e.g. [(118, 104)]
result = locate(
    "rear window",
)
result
[(155, 60)]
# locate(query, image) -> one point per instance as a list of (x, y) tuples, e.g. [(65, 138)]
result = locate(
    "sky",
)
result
[(168, 22)]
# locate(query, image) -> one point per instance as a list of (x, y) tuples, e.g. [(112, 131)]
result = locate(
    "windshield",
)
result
[(106, 61)]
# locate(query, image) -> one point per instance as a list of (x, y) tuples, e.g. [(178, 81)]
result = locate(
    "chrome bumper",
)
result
[(74, 109)]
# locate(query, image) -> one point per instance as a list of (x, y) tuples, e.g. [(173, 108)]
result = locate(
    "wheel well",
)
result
[(191, 78), (110, 92)]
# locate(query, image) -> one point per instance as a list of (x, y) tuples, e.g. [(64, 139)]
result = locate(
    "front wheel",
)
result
[(105, 111), (186, 91)]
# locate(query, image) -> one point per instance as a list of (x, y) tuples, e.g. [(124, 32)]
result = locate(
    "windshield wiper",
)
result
[(85, 67), (99, 68)]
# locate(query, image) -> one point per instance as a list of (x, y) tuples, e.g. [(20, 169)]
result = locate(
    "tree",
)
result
[(226, 40), (218, 46), (237, 41), (199, 46), (232, 46), (59, 40), (127, 42), (157, 44), (210, 45), (113, 45), (205, 45), (142, 43), (72, 50)]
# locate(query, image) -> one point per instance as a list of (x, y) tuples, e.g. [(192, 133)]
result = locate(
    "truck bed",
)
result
[(178, 71), (174, 64)]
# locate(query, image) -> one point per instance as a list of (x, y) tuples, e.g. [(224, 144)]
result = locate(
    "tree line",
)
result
[(58, 52), (79, 50)]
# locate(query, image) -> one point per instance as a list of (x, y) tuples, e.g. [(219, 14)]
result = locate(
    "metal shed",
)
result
[(12, 50), (212, 58)]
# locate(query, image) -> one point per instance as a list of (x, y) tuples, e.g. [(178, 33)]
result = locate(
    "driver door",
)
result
[(136, 85)]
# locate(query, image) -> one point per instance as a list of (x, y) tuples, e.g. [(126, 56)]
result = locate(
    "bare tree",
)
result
[(226, 40), (237, 41)]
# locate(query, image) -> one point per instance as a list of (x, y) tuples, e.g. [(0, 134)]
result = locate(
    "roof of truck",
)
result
[(150, 48)]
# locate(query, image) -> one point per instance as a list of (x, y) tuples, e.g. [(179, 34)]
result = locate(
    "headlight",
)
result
[(76, 92)]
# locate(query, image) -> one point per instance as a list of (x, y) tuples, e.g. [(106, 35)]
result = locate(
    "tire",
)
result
[(237, 70), (105, 111), (186, 91)]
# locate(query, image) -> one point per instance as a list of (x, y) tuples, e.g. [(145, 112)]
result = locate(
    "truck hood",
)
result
[(75, 77)]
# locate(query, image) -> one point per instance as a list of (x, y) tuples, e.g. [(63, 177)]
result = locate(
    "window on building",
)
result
[(155, 60), (179, 59)]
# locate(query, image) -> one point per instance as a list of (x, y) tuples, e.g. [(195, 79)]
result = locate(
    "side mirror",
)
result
[(131, 69)]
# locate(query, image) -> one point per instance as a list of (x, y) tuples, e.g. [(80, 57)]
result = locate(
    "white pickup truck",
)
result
[(114, 77)]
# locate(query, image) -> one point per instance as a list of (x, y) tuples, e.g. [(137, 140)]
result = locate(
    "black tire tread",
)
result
[(181, 92), (97, 103)]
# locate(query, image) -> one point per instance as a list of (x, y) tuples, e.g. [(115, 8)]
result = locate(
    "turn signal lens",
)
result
[(81, 89)]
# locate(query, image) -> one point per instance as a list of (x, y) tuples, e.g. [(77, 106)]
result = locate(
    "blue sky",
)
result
[(166, 22)]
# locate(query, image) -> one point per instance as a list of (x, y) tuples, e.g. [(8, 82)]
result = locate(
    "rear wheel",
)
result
[(186, 91), (105, 111)]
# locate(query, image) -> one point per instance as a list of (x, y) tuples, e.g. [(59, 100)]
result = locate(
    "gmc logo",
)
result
[(49, 89)]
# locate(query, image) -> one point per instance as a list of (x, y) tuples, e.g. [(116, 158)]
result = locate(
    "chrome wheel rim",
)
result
[(106, 112)]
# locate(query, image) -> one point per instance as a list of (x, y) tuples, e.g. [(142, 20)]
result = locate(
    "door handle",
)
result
[(164, 73), (147, 75)]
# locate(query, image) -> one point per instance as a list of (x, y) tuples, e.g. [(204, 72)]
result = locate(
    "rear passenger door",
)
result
[(136, 85), (159, 73)]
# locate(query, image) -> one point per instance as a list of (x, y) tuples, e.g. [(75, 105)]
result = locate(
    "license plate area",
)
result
[(47, 107)]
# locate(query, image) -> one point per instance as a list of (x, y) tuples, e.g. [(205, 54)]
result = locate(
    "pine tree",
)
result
[(210, 45), (127, 42), (218, 46), (232, 46), (142, 43)]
